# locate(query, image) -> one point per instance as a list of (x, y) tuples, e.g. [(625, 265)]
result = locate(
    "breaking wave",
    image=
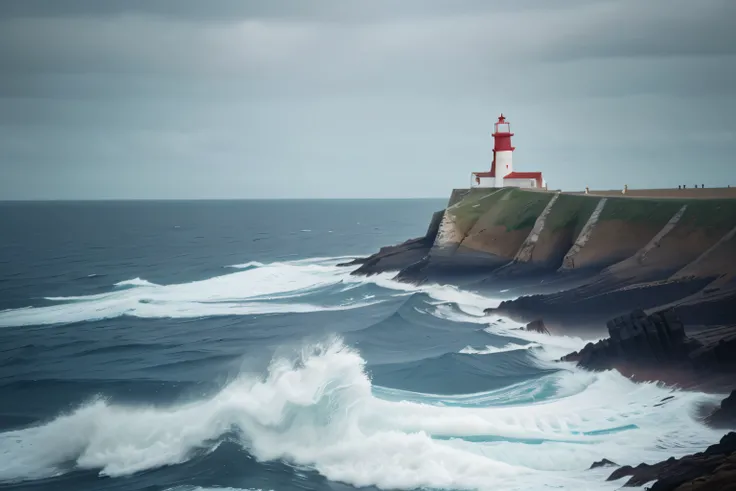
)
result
[(319, 409)]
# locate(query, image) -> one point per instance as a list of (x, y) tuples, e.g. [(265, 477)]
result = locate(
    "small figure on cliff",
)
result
[(626, 188), (587, 190)]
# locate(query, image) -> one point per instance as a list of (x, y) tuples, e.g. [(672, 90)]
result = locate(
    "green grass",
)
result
[(518, 209), (515, 209), (571, 211), (521, 209), (640, 210), (712, 213), (476, 204)]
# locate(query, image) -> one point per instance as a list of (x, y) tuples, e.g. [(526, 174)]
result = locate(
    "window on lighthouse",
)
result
[(503, 128)]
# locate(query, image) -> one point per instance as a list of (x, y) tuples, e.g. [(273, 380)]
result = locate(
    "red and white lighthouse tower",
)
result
[(502, 166), (503, 152)]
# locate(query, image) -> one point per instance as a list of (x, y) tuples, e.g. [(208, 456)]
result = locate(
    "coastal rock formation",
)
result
[(711, 470), (401, 256), (603, 463), (537, 326), (391, 258), (725, 415), (638, 341)]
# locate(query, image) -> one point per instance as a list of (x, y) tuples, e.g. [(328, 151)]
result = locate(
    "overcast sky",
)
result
[(369, 98)]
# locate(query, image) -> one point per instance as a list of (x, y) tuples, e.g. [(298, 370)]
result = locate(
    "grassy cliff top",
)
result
[(517, 209)]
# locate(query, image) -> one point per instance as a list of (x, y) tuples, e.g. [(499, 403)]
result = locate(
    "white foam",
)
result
[(245, 292), (469, 302), (318, 411), (135, 282), (249, 264), (552, 347), (490, 350)]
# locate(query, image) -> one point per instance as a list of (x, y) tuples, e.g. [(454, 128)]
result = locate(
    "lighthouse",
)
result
[(502, 172)]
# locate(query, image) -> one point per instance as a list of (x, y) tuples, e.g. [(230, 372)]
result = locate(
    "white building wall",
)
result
[(520, 183), (485, 182)]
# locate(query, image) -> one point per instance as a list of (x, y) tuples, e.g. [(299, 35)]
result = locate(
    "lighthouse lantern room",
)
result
[(502, 172)]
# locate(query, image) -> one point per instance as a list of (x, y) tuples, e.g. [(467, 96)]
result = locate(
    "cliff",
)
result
[(600, 255), (568, 232)]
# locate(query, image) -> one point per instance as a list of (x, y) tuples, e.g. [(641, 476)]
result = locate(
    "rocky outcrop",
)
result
[(711, 470), (638, 339), (392, 258), (656, 347), (401, 256), (725, 415), (537, 326), (603, 463)]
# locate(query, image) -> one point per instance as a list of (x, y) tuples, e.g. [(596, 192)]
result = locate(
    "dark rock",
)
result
[(640, 340), (537, 326), (724, 416), (602, 463), (355, 262), (401, 256), (714, 469), (392, 258)]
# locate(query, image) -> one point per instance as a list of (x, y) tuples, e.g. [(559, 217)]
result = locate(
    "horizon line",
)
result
[(56, 200)]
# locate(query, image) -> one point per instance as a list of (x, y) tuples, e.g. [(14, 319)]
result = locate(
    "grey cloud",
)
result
[(270, 99), (234, 10), (649, 29)]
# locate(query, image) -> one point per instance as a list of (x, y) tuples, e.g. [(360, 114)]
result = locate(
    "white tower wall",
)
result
[(504, 164)]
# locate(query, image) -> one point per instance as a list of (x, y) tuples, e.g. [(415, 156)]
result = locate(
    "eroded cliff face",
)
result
[(632, 239), (624, 236)]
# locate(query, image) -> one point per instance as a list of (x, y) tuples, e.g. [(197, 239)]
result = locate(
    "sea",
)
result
[(218, 345)]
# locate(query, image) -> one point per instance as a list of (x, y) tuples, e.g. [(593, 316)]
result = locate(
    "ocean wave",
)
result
[(251, 290), (135, 282), (319, 410), (247, 292), (470, 373)]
